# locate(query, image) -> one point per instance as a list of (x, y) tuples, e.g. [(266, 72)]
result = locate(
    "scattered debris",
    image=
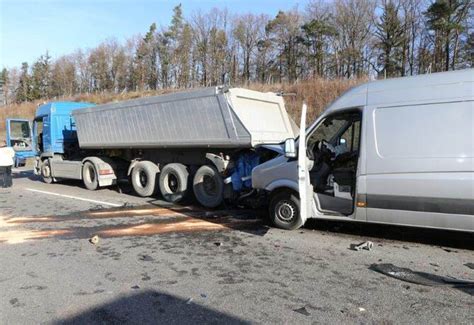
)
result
[(146, 258), (449, 250), (434, 264), (203, 295), (470, 265), (94, 240), (189, 301), (367, 245), (135, 287), (423, 278), (361, 309), (218, 244), (302, 311)]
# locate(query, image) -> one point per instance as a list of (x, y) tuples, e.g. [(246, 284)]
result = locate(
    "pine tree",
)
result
[(445, 18), (390, 34), (23, 92), (41, 77)]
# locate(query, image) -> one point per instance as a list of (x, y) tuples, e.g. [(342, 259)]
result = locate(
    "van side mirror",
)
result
[(290, 148)]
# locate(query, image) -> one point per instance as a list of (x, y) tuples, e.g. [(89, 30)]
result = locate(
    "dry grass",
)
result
[(317, 93)]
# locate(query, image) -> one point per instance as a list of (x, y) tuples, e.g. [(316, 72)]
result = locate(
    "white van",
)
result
[(397, 151)]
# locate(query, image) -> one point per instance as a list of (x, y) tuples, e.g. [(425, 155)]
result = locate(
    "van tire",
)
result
[(173, 182), (284, 210), (144, 178), (46, 172), (90, 176), (208, 186)]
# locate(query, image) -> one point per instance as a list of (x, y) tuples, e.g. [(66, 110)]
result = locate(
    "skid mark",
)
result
[(158, 220), (20, 236), (147, 229), (102, 214)]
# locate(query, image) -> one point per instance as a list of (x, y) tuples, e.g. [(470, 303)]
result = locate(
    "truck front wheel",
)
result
[(284, 210), (46, 171), (144, 178), (89, 176), (208, 186), (173, 182)]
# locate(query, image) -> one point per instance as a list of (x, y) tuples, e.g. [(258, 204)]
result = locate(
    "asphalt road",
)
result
[(156, 263)]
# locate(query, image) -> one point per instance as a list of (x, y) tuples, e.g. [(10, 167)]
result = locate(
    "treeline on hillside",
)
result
[(328, 39)]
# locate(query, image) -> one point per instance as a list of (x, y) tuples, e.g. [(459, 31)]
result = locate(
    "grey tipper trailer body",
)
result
[(201, 118), (202, 142), (396, 151)]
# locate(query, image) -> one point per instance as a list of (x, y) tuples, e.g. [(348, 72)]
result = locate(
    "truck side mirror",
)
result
[(290, 148)]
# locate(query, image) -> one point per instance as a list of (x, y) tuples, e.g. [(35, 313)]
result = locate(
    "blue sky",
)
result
[(29, 28)]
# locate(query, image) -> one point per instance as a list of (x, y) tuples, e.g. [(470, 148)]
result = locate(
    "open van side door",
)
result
[(304, 184), (19, 137)]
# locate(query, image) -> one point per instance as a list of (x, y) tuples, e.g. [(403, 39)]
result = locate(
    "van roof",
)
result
[(442, 86)]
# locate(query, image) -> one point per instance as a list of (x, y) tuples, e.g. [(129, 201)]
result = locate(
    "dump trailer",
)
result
[(204, 142)]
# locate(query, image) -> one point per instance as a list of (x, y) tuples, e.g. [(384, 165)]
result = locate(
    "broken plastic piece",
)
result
[(94, 240), (368, 245), (302, 311)]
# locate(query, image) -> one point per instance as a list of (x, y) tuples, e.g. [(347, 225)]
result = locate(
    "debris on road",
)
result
[(367, 245), (302, 311), (94, 240), (470, 265), (135, 287), (146, 258), (218, 244), (189, 301), (361, 309), (423, 278)]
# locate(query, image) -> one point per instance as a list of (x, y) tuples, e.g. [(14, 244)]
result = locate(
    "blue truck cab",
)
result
[(54, 129)]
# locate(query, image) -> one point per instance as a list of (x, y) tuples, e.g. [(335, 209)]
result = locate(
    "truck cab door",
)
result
[(304, 183), (20, 138)]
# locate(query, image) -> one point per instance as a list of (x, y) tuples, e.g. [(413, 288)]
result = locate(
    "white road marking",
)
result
[(74, 197)]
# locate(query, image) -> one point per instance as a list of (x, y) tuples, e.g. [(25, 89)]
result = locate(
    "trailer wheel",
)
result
[(284, 210), (144, 178), (173, 182), (208, 186), (46, 171), (89, 176)]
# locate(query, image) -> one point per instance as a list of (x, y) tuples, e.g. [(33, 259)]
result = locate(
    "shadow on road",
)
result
[(152, 307), (454, 239)]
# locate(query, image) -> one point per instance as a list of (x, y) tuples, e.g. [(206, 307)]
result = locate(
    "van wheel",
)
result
[(173, 182), (46, 172), (208, 186), (144, 178), (89, 176), (284, 210)]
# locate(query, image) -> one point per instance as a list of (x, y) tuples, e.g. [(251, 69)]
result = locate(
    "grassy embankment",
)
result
[(317, 93)]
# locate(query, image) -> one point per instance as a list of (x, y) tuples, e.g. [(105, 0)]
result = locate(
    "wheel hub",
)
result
[(209, 185), (173, 183), (285, 211), (143, 178)]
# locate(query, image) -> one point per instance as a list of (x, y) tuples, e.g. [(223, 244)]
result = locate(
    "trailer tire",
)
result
[(284, 210), (90, 176), (173, 182), (208, 186), (144, 178), (46, 171)]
